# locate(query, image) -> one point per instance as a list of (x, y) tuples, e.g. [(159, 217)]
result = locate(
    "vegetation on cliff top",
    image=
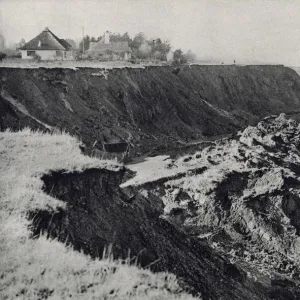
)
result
[(46, 269)]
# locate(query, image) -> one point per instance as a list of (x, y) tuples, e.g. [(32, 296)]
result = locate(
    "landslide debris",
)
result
[(144, 220), (99, 213), (245, 200)]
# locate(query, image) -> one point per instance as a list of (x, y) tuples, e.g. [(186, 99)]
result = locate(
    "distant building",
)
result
[(107, 50), (48, 46)]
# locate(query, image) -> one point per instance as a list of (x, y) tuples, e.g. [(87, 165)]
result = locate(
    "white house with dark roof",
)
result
[(48, 46)]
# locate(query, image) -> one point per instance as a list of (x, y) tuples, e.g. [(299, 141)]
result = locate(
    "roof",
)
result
[(118, 47), (46, 40), (65, 44)]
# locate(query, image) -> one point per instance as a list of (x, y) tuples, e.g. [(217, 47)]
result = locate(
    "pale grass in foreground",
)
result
[(47, 269)]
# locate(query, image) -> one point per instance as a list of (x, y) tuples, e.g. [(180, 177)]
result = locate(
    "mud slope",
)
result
[(98, 213), (240, 195), (151, 106)]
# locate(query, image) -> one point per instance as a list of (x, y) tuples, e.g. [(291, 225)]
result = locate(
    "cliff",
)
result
[(152, 107)]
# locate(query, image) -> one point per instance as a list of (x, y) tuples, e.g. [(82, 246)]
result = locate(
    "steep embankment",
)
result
[(241, 195), (152, 107), (99, 213), (42, 268), (223, 220)]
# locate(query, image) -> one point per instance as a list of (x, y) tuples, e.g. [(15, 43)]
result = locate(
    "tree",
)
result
[(144, 51), (20, 44), (179, 57), (86, 42), (2, 41), (160, 49), (2, 56), (137, 41), (190, 56), (115, 37), (126, 38)]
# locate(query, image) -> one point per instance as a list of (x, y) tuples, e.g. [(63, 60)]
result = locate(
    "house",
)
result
[(107, 50), (48, 46)]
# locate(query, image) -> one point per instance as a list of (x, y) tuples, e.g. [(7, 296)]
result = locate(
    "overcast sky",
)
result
[(245, 30)]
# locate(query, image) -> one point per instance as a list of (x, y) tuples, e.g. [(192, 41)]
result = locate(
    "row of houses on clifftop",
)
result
[(47, 46)]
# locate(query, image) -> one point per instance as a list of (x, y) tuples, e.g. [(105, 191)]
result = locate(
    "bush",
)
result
[(2, 56), (179, 58), (10, 53), (37, 57), (190, 56), (15, 55)]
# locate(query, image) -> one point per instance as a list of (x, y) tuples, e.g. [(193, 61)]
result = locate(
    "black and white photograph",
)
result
[(150, 149)]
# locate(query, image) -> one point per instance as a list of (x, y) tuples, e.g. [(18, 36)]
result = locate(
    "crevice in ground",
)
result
[(99, 213)]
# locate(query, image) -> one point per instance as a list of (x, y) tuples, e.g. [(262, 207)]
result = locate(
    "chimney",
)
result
[(106, 37)]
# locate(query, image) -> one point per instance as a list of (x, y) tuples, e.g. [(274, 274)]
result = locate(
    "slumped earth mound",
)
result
[(246, 202), (224, 220)]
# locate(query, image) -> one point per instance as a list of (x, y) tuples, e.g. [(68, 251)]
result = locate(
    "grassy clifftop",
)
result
[(41, 268)]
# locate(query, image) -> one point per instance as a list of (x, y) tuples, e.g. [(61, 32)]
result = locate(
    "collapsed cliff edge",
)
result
[(151, 109), (227, 229), (223, 219)]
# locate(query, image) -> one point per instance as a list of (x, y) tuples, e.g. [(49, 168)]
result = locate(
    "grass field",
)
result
[(28, 64), (46, 269)]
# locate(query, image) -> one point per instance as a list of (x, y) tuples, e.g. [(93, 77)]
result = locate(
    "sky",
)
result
[(223, 30)]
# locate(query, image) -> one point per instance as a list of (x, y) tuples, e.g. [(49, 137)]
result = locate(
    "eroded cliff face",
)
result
[(241, 195), (152, 107), (224, 220), (99, 213)]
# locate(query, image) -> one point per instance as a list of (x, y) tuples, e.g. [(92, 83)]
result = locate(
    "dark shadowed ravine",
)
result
[(99, 213)]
